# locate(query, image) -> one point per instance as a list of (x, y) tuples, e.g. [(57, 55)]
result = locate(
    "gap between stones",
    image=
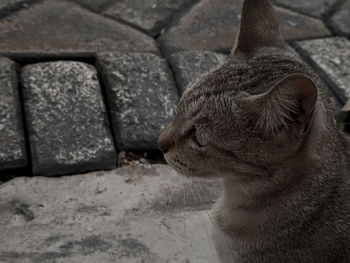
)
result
[(333, 9), (154, 157), (17, 7), (9, 174), (167, 23), (331, 86)]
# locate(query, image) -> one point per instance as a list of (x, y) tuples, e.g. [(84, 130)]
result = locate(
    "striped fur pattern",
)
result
[(273, 142)]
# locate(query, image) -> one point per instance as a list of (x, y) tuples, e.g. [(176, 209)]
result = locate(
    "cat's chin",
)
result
[(177, 167), (188, 173)]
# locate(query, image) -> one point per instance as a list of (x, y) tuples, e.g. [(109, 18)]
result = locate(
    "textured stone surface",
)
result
[(340, 21), (66, 119), (12, 144), (317, 8), (295, 26), (129, 215), (8, 6), (149, 15), (213, 24), (209, 25), (331, 56), (142, 97), (58, 28), (188, 66), (95, 5)]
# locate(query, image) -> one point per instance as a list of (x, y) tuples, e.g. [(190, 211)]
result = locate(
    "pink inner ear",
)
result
[(305, 90)]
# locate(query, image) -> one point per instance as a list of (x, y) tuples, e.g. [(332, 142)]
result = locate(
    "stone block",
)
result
[(63, 29), (316, 8), (340, 21), (213, 25), (66, 119), (331, 57), (149, 15), (12, 143), (142, 97), (95, 5)]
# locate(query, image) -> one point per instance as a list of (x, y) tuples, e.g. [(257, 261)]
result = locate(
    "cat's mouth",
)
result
[(180, 167), (184, 169)]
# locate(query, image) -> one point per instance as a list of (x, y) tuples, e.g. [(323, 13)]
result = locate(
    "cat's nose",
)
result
[(166, 141)]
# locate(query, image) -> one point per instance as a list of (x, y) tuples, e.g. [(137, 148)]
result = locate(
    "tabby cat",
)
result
[(263, 124)]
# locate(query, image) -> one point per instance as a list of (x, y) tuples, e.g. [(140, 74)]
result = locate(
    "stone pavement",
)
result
[(83, 80), (137, 214)]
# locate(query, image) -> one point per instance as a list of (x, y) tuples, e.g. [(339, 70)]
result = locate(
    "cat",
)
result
[(264, 125)]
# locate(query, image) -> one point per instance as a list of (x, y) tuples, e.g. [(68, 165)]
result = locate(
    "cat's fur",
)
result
[(263, 123)]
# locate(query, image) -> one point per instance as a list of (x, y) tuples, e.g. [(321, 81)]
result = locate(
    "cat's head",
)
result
[(255, 110)]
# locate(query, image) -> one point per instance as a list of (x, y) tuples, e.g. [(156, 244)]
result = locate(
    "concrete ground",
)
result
[(141, 213)]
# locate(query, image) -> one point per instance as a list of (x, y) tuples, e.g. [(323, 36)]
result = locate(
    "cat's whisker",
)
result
[(189, 69), (201, 217), (203, 192), (167, 212), (243, 190), (201, 57), (190, 77), (207, 199), (194, 198), (184, 206), (210, 217)]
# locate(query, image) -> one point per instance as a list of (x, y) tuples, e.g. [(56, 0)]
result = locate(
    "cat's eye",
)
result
[(200, 137)]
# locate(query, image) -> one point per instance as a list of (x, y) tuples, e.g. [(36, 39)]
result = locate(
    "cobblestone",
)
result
[(148, 15), (9, 6), (66, 119), (12, 143), (213, 24), (317, 8), (59, 28), (340, 21), (295, 26), (331, 57), (94, 5), (142, 97), (141, 89)]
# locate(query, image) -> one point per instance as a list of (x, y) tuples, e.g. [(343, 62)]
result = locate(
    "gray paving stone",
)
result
[(66, 119), (95, 5), (59, 28), (213, 25), (149, 15), (317, 8), (340, 21), (295, 26), (12, 143), (331, 56), (142, 97), (119, 216), (188, 66), (8, 6), (209, 25)]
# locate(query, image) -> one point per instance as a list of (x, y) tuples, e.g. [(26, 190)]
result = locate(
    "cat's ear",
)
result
[(259, 28), (289, 104)]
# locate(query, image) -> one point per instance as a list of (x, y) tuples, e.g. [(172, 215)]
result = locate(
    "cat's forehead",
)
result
[(254, 75)]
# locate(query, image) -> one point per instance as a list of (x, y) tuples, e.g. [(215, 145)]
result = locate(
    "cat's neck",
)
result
[(286, 190)]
